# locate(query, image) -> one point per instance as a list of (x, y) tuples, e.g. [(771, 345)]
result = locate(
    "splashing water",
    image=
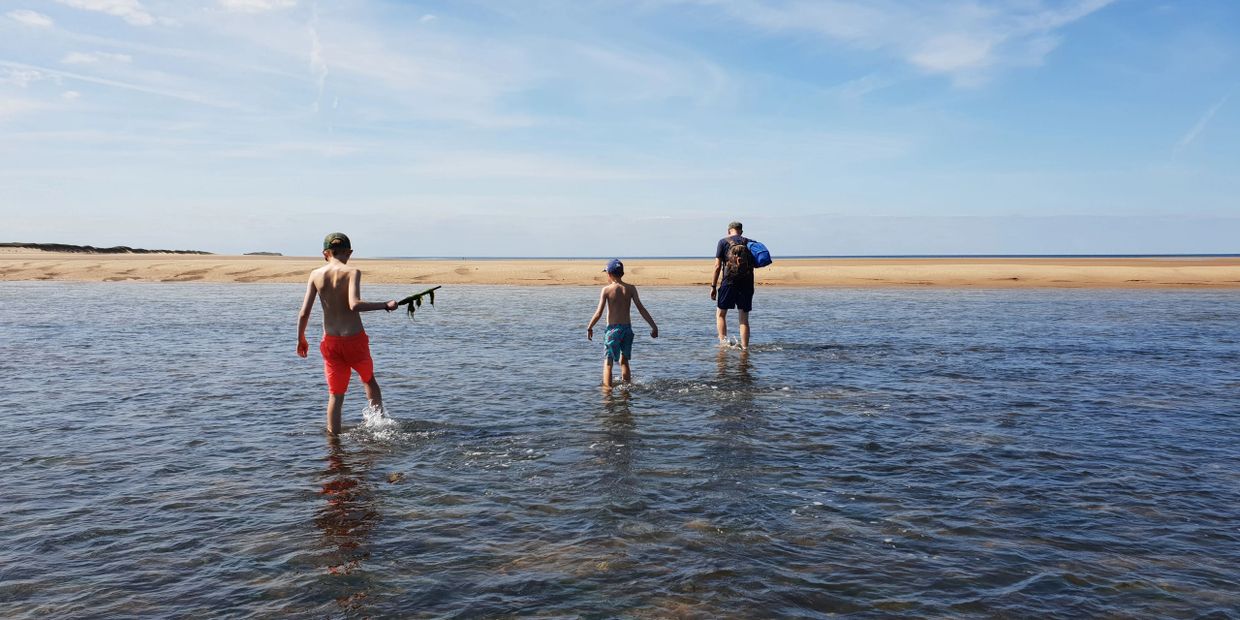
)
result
[(375, 417)]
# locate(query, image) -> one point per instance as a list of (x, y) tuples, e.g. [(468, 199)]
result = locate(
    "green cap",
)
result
[(336, 241)]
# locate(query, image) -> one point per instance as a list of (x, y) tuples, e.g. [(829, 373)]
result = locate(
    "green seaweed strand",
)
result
[(415, 301)]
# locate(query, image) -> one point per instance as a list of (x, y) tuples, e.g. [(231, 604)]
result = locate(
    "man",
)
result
[(733, 260)]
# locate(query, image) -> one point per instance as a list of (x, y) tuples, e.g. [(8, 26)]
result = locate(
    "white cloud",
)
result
[(22, 76), (86, 58), (962, 39), (426, 18), (31, 18), (70, 95), (256, 6), (128, 10)]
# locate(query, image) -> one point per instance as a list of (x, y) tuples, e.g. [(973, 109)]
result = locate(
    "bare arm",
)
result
[(654, 329), (598, 312), (303, 317), (355, 297), (714, 280)]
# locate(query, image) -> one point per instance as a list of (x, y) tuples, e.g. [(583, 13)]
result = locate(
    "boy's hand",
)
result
[(590, 334), (302, 347), (390, 305), (654, 332), (712, 292)]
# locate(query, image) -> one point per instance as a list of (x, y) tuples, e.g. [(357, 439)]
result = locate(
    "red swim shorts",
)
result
[(341, 356)]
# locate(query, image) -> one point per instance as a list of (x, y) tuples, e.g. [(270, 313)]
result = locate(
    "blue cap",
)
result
[(614, 266)]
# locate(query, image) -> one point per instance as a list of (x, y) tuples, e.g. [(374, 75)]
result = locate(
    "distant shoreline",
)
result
[(1178, 272), (69, 248)]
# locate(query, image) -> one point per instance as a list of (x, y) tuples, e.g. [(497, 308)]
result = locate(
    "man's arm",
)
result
[(714, 280), (654, 329), (303, 318), (355, 296), (598, 312)]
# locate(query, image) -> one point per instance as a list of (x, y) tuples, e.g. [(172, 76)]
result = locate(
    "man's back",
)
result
[(334, 281)]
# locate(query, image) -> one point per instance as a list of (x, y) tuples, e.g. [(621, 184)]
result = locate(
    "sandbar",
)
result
[(1102, 272)]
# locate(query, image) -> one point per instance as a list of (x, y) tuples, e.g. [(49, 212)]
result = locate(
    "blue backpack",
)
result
[(761, 255)]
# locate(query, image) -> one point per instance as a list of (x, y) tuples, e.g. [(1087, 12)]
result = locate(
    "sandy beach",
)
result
[(1209, 272)]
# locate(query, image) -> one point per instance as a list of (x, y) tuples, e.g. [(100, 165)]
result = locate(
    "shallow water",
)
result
[(878, 454)]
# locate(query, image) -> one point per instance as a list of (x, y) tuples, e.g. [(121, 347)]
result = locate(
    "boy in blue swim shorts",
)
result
[(617, 298)]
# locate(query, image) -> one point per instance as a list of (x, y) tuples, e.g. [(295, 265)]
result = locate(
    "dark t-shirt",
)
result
[(721, 253)]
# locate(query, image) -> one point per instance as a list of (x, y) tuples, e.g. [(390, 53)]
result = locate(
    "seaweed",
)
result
[(414, 301)]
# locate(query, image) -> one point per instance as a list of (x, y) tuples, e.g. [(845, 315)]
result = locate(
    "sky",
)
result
[(623, 128)]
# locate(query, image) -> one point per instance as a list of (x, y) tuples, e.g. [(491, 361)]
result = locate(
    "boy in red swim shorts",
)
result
[(345, 346)]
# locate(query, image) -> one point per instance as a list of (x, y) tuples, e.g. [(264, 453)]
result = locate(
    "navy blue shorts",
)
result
[(735, 295)]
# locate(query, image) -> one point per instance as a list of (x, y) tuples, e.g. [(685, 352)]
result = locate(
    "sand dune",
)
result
[(1222, 272)]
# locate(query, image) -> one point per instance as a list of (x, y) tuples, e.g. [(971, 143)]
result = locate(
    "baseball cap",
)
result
[(336, 241), (614, 266)]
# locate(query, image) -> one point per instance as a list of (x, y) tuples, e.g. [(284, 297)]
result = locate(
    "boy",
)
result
[(345, 346), (618, 344)]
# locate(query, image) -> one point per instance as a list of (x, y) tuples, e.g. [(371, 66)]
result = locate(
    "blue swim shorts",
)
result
[(619, 341), (737, 295)]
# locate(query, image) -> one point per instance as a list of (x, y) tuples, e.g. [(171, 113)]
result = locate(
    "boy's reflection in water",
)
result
[(347, 518), (618, 433)]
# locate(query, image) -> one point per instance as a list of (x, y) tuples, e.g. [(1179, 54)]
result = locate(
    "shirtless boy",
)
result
[(618, 344), (345, 346)]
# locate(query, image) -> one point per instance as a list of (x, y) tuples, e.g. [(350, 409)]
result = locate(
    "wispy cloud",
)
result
[(89, 58), (961, 39), (31, 18), (128, 10), (256, 6), (31, 73), (533, 166), (1190, 137), (282, 149), (318, 65), (21, 76)]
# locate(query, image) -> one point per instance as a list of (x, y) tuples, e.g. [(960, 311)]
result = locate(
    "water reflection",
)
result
[(732, 450), (736, 376), (618, 437), (347, 518)]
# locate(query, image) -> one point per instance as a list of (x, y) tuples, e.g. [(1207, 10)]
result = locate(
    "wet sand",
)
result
[(1209, 272)]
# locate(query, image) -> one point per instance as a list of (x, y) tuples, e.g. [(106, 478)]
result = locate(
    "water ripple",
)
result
[(876, 454)]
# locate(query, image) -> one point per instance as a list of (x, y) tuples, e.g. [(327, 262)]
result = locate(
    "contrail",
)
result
[(318, 66), (1192, 134)]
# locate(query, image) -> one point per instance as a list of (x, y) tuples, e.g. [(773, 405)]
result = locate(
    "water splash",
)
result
[(376, 418)]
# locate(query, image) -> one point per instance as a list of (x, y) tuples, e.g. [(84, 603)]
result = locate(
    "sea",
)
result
[(877, 453)]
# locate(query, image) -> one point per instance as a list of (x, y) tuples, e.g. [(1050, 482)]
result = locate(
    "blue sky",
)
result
[(627, 128)]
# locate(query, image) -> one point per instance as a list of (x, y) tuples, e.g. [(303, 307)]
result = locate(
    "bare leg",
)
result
[(743, 316), (607, 372), (625, 374), (373, 394), (721, 324), (334, 403)]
